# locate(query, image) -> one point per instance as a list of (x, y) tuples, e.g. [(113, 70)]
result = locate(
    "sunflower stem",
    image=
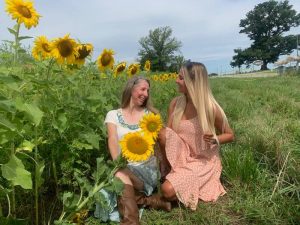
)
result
[(13, 194), (36, 196), (17, 43)]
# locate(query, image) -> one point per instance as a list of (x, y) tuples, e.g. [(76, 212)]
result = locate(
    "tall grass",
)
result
[(261, 168)]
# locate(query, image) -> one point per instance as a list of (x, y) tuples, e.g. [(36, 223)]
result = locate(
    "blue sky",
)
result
[(208, 30)]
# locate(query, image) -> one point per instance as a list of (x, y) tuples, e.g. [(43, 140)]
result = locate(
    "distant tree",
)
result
[(177, 62), (242, 57), (265, 25), (159, 47)]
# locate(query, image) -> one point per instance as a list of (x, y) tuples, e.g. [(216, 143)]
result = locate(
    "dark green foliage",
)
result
[(265, 26), (160, 47)]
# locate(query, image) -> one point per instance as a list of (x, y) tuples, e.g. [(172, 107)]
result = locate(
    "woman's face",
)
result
[(140, 92), (181, 84)]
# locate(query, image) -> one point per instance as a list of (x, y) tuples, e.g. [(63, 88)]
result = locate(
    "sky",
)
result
[(208, 30)]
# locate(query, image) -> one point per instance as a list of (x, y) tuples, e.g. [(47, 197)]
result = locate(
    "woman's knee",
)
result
[(167, 190), (123, 176)]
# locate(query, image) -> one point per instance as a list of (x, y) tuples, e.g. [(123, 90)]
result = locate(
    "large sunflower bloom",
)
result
[(84, 50), (147, 66), (133, 69), (23, 12), (42, 48), (136, 146), (119, 68), (151, 124), (64, 49), (106, 60)]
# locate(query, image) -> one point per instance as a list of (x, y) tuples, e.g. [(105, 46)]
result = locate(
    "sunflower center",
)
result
[(137, 145), (152, 127), (133, 70), (106, 59), (24, 11), (46, 47), (65, 48), (120, 68), (83, 53)]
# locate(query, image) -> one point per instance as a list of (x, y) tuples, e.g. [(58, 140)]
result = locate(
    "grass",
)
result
[(261, 168)]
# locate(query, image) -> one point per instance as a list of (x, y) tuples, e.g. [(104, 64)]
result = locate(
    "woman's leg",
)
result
[(127, 204), (127, 177)]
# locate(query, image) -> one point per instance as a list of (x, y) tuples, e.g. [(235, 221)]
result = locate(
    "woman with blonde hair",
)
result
[(196, 128)]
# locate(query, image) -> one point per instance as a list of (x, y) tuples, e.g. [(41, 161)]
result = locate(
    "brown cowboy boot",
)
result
[(127, 206), (154, 201)]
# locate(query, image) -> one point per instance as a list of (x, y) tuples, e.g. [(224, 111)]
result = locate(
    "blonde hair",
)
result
[(196, 80), (126, 95)]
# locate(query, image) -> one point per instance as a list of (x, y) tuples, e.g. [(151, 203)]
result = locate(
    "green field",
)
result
[(61, 114)]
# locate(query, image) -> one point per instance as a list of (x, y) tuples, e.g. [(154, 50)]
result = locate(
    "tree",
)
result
[(265, 25), (159, 47)]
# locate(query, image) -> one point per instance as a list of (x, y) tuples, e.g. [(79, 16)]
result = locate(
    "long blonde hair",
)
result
[(196, 80), (126, 94)]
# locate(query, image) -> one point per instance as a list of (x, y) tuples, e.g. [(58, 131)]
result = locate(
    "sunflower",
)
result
[(106, 60), (119, 68), (23, 12), (147, 66), (42, 48), (151, 124), (155, 77), (133, 69), (64, 49), (136, 146), (84, 50)]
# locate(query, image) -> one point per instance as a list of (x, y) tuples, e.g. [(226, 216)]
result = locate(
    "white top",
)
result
[(116, 117)]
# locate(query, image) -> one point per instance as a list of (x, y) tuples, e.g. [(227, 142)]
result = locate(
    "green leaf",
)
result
[(116, 186), (60, 123), (11, 82), (15, 172), (92, 139), (70, 201), (6, 123), (7, 105), (79, 145), (23, 37), (12, 31), (26, 146), (32, 111)]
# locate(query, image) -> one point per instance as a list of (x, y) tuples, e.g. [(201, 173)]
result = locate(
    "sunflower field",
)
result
[(53, 147)]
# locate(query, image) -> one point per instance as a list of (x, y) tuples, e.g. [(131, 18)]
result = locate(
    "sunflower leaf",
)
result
[(15, 172), (12, 31), (23, 37)]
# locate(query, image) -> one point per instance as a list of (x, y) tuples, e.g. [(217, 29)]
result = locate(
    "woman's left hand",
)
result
[(209, 138)]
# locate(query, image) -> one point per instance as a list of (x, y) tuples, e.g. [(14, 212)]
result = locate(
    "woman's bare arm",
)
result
[(226, 133), (112, 140)]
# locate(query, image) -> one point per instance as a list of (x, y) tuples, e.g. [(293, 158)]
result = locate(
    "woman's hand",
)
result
[(209, 138)]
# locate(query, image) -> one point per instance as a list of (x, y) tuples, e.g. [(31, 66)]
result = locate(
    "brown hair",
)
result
[(126, 95)]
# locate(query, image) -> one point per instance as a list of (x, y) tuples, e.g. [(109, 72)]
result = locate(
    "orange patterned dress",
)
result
[(195, 165)]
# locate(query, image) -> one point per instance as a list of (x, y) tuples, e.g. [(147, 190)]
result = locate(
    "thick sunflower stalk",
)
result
[(75, 204)]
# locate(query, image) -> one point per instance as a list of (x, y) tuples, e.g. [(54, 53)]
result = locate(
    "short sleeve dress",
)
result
[(195, 165)]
